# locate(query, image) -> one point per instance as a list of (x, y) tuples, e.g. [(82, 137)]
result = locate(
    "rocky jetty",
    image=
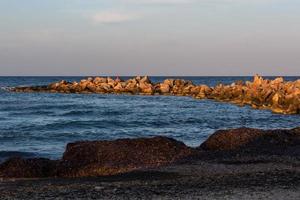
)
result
[(277, 95), (102, 158)]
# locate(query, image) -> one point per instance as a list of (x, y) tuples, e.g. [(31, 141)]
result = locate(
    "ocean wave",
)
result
[(5, 88), (77, 113), (41, 107), (28, 113), (94, 124), (114, 112), (70, 124)]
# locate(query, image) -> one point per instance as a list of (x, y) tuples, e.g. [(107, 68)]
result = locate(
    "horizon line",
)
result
[(105, 75)]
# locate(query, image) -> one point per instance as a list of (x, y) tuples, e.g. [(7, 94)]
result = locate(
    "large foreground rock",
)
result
[(119, 156), (252, 139), (28, 168), (100, 158)]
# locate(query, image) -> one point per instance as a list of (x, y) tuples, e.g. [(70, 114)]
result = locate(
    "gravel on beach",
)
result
[(264, 177)]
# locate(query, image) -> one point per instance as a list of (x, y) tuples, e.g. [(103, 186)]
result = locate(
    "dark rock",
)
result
[(112, 157), (99, 158), (231, 139), (27, 168), (252, 139)]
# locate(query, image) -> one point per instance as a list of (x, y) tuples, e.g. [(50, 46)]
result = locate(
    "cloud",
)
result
[(160, 1), (193, 1), (107, 17)]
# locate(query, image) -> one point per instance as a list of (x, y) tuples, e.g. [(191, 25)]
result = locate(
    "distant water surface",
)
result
[(41, 124)]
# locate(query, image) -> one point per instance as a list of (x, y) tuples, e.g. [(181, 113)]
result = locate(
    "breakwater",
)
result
[(277, 95)]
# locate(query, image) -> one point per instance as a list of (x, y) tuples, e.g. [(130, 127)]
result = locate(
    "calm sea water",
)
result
[(41, 124)]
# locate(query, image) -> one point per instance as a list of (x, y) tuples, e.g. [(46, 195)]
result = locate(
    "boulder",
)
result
[(119, 88), (118, 80), (179, 82), (277, 81), (231, 139), (146, 88), (257, 80), (99, 80), (90, 79), (63, 89), (91, 87), (63, 82), (164, 88), (195, 90), (205, 89), (187, 89), (297, 83), (110, 81), (252, 139), (105, 87), (169, 82), (133, 81), (100, 158), (53, 86), (28, 168), (145, 79), (112, 157), (132, 87), (138, 78), (83, 84), (76, 87)]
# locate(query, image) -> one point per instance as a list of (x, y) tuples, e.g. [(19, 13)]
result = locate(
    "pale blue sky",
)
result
[(153, 37)]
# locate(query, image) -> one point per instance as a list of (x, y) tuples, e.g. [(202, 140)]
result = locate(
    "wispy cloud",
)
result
[(161, 1), (193, 1), (107, 17)]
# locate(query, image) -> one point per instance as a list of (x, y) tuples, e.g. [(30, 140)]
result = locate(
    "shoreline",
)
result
[(276, 95), (112, 157), (241, 163)]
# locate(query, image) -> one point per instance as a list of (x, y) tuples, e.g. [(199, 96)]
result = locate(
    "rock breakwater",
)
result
[(277, 95)]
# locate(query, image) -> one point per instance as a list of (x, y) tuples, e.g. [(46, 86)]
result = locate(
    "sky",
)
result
[(150, 37)]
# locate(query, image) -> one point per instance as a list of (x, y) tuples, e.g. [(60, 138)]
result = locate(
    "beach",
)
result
[(257, 165), (263, 178)]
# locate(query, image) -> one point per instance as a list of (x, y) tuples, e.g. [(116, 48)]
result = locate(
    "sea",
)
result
[(41, 124)]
